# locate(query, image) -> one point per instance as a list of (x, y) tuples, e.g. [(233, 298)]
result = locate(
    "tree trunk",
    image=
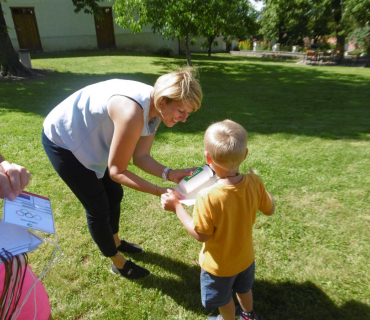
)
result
[(9, 61), (281, 33), (228, 47), (188, 53), (337, 8), (210, 41)]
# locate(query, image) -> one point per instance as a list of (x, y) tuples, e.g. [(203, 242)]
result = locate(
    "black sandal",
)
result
[(128, 247), (131, 271)]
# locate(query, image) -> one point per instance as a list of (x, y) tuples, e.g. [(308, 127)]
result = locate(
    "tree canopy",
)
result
[(231, 19), (172, 19), (285, 20), (184, 19), (289, 21)]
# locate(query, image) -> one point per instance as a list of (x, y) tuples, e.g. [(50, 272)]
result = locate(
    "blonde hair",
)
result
[(180, 85), (226, 143)]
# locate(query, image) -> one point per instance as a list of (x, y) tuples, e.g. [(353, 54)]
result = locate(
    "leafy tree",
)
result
[(359, 10), (183, 19), (320, 21), (88, 6), (362, 38), (170, 18), (291, 19), (9, 60), (228, 18), (285, 20), (337, 7)]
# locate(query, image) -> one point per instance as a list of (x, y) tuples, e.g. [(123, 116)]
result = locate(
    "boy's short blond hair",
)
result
[(226, 143), (180, 85)]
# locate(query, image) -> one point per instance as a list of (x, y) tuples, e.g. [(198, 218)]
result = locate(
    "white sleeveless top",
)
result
[(82, 125)]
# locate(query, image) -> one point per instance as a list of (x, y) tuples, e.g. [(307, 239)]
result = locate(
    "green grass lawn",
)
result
[(309, 140)]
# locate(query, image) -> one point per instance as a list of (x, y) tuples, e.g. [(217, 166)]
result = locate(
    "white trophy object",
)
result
[(199, 177)]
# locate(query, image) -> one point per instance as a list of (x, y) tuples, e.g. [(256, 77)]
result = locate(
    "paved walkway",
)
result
[(347, 61)]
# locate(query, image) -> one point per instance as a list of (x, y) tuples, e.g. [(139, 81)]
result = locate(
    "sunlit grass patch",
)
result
[(308, 139)]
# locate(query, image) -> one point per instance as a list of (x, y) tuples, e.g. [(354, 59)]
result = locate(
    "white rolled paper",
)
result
[(199, 176)]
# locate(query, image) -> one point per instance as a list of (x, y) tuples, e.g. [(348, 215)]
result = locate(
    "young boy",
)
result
[(223, 219)]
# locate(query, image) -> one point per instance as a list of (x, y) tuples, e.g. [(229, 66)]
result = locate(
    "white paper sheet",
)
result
[(13, 238), (16, 239), (30, 211)]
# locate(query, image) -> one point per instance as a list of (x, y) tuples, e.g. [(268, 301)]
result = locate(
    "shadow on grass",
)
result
[(272, 301), (266, 98), (304, 301), (184, 287), (269, 98)]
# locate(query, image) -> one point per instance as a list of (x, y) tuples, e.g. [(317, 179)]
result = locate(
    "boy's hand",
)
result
[(172, 191), (169, 201)]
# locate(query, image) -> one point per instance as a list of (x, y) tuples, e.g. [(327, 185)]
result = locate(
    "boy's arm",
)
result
[(171, 203), (272, 210)]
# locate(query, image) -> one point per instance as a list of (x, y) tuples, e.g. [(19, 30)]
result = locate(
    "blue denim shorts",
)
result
[(218, 291)]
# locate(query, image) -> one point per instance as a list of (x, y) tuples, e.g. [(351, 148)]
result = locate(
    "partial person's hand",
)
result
[(178, 175), (174, 192), (250, 170), (13, 179), (169, 201)]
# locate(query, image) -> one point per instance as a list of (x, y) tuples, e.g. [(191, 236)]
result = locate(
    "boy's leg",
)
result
[(246, 300), (243, 289), (216, 292), (228, 311)]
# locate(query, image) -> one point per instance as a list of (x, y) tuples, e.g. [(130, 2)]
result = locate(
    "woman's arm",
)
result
[(144, 160), (128, 120)]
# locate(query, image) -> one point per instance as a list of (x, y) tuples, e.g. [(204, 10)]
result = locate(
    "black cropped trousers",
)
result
[(101, 198)]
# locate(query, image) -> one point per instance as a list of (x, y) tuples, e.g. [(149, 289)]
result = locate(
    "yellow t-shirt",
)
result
[(228, 214)]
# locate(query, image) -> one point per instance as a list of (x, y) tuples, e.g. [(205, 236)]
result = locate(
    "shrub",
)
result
[(164, 51), (362, 38), (323, 46), (264, 46), (286, 48), (355, 52), (245, 45)]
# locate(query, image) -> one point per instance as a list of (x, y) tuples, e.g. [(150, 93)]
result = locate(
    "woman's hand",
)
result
[(178, 175)]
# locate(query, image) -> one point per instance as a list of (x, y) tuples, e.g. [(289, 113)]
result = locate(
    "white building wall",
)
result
[(61, 29)]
